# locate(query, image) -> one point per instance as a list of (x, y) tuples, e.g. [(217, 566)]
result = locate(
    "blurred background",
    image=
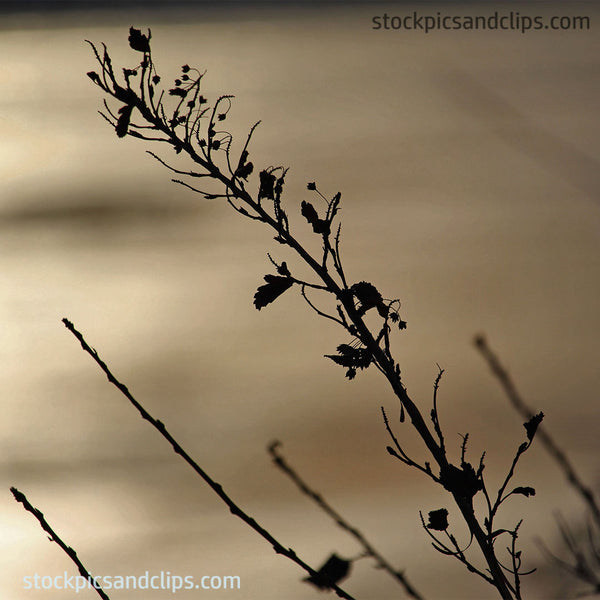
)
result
[(467, 162)]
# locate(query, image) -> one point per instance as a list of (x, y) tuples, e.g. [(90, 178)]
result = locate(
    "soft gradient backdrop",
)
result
[(468, 166)]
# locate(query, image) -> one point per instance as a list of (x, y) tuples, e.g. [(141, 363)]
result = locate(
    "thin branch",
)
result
[(401, 455), (456, 553), (188, 173), (434, 413), (54, 537), (555, 451), (278, 459), (178, 449), (318, 311)]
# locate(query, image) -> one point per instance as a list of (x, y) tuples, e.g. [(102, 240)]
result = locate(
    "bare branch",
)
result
[(178, 449), (54, 537)]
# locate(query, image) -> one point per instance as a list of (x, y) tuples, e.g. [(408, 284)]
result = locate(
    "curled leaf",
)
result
[(123, 121), (310, 214), (244, 171), (369, 297), (271, 290), (282, 269), (532, 425), (94, 77)]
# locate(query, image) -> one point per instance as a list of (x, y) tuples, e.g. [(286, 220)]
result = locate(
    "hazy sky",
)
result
[(467, 163)]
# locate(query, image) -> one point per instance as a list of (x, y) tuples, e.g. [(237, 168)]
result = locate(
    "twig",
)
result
[(554, 450), (178, 449), (54, 537), (280, 461)]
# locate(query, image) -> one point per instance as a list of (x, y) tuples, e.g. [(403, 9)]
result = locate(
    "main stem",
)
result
[(387, 366)]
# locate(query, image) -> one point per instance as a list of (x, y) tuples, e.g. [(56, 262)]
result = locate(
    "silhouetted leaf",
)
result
[(438, 520), (463, 482), (244, 171), (331, 573), (310, 214), (368, 296), (352, 358), (282, 269), (267, 185), (123, 121), (269, 292), (138, 41), (94, 77), (525, 491), (178, 92), (532, 425), (311, 186)]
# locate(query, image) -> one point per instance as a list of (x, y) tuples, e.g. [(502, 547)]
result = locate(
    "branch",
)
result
[(553, 449), (54, 537), (178, 449), (280, 462)]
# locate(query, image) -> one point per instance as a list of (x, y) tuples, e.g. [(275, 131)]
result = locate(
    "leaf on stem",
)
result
[(271, 290), (438, 519), (123, 121), (524, 491), (310, 214), (352, 358), (532, 425), (138, 41), (94, 77), (331, 573), (369, 297), (267, 185)]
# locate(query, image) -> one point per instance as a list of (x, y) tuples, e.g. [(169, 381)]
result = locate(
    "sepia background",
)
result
[(468, 167)]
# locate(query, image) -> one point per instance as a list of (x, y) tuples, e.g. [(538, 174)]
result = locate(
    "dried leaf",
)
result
[(532, 425), (282, 269), (438, 520), (267, 185), (123, 121), (310, 214), (369, 297), (269, 292), (94, 77)]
